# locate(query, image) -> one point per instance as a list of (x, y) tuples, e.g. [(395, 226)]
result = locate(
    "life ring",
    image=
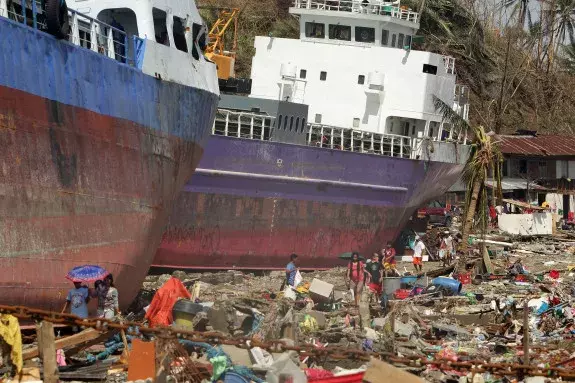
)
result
[(57, 19)]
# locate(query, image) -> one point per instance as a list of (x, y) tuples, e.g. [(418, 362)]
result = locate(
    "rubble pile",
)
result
[(515, 323)]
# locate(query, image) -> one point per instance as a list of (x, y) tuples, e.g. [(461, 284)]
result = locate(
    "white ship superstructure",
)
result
[(354, 66)]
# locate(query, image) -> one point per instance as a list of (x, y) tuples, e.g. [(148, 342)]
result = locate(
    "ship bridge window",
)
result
[(318, 118), (291, 123), (400, 40), (364, 35), (361, 79), (302, 124), (196, 29), (431, 69), (179, 32), (407, 42), (315, 30), (322, 76), (302, 73), (160, 27), (393, 38), (384, 37), (340, 32), (122, 19)]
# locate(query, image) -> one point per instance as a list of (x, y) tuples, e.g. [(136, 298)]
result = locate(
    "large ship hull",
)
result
[(93, 155), (252, 203)]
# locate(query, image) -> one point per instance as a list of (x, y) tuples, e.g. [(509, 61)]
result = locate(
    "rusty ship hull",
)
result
[(252, 203), (94, 153)]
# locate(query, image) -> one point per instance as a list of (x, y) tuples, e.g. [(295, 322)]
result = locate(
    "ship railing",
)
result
[(255, 126), (373, 7), (352, 140), (84, 30)]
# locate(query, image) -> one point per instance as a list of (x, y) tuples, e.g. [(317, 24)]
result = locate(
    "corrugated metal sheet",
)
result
[(515, 184), (544, 145)]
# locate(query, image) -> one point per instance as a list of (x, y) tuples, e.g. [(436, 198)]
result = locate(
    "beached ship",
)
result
[(104, 114), (335, 148)]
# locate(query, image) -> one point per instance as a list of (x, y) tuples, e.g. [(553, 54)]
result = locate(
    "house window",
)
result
[(160, 28), (322, 76), (400, 40), (522, 167), (393, 38), (364, 35), (504, 171), (340, 32), (179, 33), (542, 169), (431, 69), (356, 122), (384, 37), (302, 73), (315, 30), (317, 118), (361, 79)]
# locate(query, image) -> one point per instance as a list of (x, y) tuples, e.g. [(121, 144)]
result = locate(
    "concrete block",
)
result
[(379, 323), (320, 291)]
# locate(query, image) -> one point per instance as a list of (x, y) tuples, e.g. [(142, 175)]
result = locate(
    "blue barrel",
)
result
[(449, 283)]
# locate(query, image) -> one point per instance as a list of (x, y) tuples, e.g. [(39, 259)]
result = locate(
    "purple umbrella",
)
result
[(87, 273)]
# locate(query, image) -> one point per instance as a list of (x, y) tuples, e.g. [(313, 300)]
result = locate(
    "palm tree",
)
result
[(484, 157), (568, 58), (520, 8)]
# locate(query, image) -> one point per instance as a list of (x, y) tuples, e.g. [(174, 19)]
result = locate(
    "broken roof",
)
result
[(543, 145)]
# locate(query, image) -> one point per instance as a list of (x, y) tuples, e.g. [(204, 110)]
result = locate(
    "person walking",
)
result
[(389, 263), (374, 274), (77, 300), (355, 276), (291, 270), (418, 254)]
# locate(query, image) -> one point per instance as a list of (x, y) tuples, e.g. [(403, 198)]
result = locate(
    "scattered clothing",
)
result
[(160, 310), (10, 333)]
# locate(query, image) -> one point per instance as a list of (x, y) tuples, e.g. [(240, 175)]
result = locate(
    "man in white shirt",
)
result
[(418, 254)]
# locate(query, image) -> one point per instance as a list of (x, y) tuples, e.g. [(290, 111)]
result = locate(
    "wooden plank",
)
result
[(381, 372), (47, 347), (84, 345), (68, 341)]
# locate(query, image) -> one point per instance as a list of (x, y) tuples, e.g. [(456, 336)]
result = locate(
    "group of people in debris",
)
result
[(382, 264), (104, 291)]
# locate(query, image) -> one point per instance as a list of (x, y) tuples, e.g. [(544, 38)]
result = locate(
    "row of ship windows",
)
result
[(362, 34), (427, 68)]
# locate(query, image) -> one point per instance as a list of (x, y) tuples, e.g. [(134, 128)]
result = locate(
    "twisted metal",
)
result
[(278, 346)]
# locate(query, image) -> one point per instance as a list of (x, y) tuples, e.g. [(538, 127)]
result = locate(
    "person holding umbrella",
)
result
[(105, 291)]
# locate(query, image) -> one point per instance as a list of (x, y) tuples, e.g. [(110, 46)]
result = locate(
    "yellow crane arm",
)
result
[(216, 34)]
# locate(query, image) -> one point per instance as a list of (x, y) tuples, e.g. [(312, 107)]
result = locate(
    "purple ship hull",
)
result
[(252, 203)]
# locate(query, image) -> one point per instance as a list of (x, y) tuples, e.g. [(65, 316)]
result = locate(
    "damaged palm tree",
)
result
[(484, 159)]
